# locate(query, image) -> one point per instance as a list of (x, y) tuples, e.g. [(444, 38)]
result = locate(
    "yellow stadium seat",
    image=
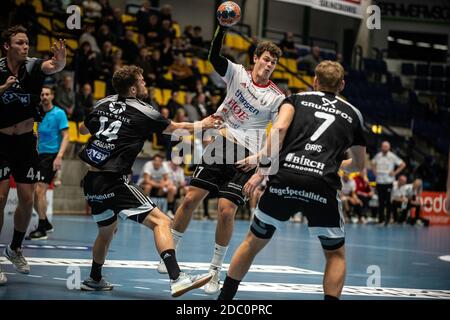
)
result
[(72, 44), (99, 89), (208, 67), (73, 131), (181, 97), (204, 80), (43, 43), (82, 138), (176, 28), (159, 96), (136, 37), (156, 144), (201, 66), (168, 76), (277, 74), (45, 22), (292, 65), (166, 93), (126, 18)]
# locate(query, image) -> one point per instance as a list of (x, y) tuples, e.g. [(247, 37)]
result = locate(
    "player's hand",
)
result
[(57, 163), (252, 184), (248, 163), (211, 122), (392, 174), (9, 82), (59, 51)]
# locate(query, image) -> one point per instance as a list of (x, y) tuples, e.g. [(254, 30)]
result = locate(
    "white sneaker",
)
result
[(3, 279), (186, 283), (161, 267), (213, 286), (17, 259)]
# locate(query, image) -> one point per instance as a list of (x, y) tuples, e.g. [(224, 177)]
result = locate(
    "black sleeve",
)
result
[(157, 123), (358, 136), (219, 62), (291, 100)]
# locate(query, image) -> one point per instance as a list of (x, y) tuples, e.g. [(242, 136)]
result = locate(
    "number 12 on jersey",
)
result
[(329, 119)]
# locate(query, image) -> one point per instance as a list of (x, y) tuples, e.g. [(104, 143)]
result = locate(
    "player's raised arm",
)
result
[(219, 62)]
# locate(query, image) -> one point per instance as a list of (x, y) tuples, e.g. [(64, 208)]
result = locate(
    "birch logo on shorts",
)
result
[(297, 194), (96, 155), (9, 97)]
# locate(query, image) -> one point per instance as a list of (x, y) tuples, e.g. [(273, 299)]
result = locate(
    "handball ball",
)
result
[(228, 13)]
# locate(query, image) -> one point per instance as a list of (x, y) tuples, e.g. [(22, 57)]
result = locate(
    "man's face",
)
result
[(157, 163), (264, 65), (46, 96), (141, 89), (402, 180), (18, 48), (385, 147)]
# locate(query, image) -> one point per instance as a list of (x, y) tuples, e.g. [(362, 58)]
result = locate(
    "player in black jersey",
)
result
[(119, 126), (21, 80), (316, 129)]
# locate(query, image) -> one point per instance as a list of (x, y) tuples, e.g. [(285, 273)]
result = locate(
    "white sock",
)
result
[(176, 237), (219, 256)]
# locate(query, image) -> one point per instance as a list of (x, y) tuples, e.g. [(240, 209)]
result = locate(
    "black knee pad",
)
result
[(262, 230), (331, 243)]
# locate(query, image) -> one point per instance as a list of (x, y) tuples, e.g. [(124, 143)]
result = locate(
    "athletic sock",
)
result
[(229, 289), (17, 239), (219, 256), (176, 237), (96, 271), (171, 263)]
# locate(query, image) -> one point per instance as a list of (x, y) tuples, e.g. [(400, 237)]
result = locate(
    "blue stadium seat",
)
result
[(303, 52)]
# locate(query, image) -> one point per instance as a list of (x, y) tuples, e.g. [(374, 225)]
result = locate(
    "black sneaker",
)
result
[(49, 227), (37, 235)]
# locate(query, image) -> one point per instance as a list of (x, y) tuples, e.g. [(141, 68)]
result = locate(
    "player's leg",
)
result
[(4, 190), (106, 232), (257, 238), (335, 268)]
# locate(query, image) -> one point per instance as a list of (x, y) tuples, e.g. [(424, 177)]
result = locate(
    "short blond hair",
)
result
[(329, 74)]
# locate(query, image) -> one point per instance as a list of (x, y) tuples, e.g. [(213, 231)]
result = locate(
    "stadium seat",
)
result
[(408, 69), (73, 131), (421, 84), (43, 43), (437, 71), (423, 70), (99, 89)]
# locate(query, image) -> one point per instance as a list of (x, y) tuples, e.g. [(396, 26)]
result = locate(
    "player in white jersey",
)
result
[(251, 102)]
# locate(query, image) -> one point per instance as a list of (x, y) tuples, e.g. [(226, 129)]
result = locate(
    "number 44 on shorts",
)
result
[(31, 175)]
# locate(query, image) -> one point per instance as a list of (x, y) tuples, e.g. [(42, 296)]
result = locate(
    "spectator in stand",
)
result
[(197, 38), (106, 61), (86, 64), (202, 105), (107, 10), (104, 34), (364, 193), (414, 192), (156, 74), (173, 104), (167, 30), (26, 16), (144, 61), (151, 98), (348, 196), (89, 36), (182, 74), (152, 31), (287, 45), (188, 33), (176, 176), (166, 12), (191, 112), (92, 9), (385, 165), (195, 69), (180, 46), (130, 50), (252, 48), (399, 199), (310, 61), (142, 16), (115, 23), (166, 52), (84, 103), (65, 96)]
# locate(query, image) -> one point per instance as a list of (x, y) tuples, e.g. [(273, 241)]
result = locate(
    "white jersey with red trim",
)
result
[(248, 107)]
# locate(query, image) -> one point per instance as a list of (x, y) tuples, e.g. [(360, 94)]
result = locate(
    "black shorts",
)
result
[(45, 167), (19, 157), (221, 178), (287, 194), (110, 195)]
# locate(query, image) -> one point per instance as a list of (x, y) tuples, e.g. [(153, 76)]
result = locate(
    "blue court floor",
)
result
[(395, 262)]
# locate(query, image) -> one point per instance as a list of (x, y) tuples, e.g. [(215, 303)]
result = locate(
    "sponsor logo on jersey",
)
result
[(9, 97), (99, 197), (303, 164), (104, 145), (326, 102), (96, 155), (329, 107), (117, 107), (297, 194)]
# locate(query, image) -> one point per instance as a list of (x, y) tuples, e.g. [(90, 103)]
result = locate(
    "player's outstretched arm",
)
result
[(219, 62), (207, 123), (58, 61), (82, 129)]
